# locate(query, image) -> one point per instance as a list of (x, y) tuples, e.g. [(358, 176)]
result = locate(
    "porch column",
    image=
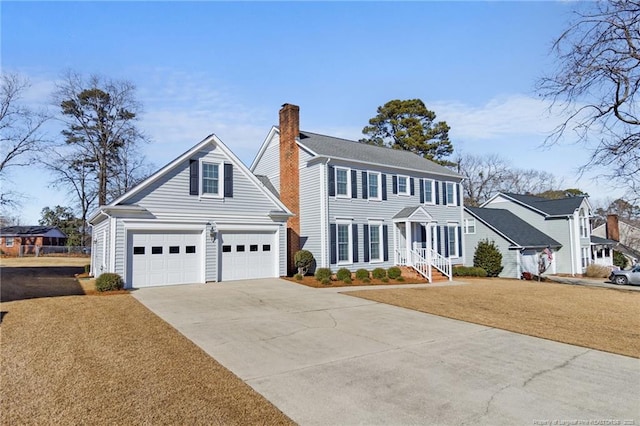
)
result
[(408, 241)]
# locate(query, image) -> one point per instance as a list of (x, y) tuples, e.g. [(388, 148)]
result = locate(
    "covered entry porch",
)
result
[(416, 243)]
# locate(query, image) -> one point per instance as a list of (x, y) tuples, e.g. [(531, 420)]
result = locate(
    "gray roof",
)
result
[(28, 230), (602, 241), (560, 207), (511, 226), (406, 212), (331, 147), (267, 183)]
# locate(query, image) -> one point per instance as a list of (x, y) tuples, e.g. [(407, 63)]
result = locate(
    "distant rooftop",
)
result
[(558, 207)]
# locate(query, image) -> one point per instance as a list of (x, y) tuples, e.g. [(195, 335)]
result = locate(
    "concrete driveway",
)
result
[(326, 358)]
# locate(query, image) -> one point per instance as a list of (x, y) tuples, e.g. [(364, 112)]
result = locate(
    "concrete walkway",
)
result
[(326, 358)]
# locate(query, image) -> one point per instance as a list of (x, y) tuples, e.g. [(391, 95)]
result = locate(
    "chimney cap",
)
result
[(288, 105)]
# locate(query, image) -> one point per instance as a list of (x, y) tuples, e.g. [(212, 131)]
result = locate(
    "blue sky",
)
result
[(226, 67)]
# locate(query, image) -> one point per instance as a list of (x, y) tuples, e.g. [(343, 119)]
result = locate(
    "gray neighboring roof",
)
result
[(331, 147), (511, 226), (267, 183), (33, 231), (406, 212), (602, 241), (562, 206)]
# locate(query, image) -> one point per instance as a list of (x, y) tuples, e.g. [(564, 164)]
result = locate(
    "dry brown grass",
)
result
[(17, 262), (598, 318), (108, 360)]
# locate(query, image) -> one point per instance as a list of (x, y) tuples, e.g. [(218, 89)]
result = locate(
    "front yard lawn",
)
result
[(598, 318), (109, 360)]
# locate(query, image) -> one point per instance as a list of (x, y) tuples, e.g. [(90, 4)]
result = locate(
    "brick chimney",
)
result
[(613, 231), (290, 177)]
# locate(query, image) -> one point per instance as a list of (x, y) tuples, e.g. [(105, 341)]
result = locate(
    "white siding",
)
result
[(310, 210), (99, 254), (269, 164)]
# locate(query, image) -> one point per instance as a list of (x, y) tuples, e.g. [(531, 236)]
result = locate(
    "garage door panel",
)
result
[(247, 255), (162, 258)]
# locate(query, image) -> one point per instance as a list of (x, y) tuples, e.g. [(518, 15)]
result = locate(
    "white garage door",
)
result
[(164, 258), (247, 255)]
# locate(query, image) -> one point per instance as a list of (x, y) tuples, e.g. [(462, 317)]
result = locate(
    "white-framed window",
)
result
[(343, 182), (429, 191), (375, 242), (343, 242), (452, 234), (584, 224), (469, 226), (8, 241), (373, 186), (585, 257), (452, 199), (434, 236), (211, 179), (403, 185)]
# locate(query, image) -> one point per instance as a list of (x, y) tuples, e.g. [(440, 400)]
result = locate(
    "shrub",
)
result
[(384, 279), (304, 260), (87, 269), (326, 281), (379, 273), (298, 277), (322, 273), (343, 274), (394, 273), (598, 271), (109, 281), (400, 279), (347, 280), (362, 274), (619, 260), (468, 271), (488, 257), (366, 280)]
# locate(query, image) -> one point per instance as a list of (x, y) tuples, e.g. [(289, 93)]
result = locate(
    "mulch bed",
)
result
[(311, 281)]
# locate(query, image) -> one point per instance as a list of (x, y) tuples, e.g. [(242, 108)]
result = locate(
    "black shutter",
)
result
[(332, 180), (365, 241), (412, 186), (354, 184), (459, 188), (354, 234), (383, 177), (423, 235), (228, 180), (439, 245), (365, 185), (445, 229), (385, 244), (444, 193), (332, 244), (460, 241), (194, 168), (394, 181), (437, 185), (421, 191)]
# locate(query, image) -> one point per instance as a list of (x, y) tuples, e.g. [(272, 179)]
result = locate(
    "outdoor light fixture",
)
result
[(213, 231)]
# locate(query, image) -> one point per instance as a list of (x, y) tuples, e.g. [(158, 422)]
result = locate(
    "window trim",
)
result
[(453, 194), (220, 166), (433, 191), (407, 185), (348, 224), (373, 224), (348, 173), (378, 176), (467, 225), (453, 226), (9, 241)]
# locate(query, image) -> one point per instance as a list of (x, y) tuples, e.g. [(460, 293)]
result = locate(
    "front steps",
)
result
[(410, 273)]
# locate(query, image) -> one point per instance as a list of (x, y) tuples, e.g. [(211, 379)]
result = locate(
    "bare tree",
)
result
[(529, 181), (131, 168), (21, 137), (100, 116), (597, 82)]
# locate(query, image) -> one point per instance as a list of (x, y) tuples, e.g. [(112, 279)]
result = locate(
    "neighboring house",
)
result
[(520, 244), (602, 251), (361, 206), (566, 220), (625, 237), (29, 240), (203, 217)]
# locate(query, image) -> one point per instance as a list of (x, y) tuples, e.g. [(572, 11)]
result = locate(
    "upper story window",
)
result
[(342, 182), (373, 186), (429, 192), (469, 226), (210, 179), (452, 198), (403, 185)]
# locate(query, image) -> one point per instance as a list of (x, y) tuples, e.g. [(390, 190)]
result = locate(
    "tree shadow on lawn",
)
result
[(31, 283)]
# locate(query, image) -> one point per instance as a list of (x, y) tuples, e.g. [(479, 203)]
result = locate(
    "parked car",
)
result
[(626, 276)]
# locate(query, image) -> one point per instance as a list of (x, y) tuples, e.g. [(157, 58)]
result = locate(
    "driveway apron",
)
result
[(326, 358)]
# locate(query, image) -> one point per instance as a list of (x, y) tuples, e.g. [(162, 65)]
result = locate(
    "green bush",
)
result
[(322, 273), (326, 281), (384, 279), (468, 271), (87, 269), (343, 274), (394, 273), (109, 281), (304, 260), (347, 280), (619, 260), (366, 280), (379, 273), (488, 257), (361, 274), (400, 279), (298, 277)]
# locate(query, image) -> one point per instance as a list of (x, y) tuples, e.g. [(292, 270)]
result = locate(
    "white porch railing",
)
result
[(423, 259)]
